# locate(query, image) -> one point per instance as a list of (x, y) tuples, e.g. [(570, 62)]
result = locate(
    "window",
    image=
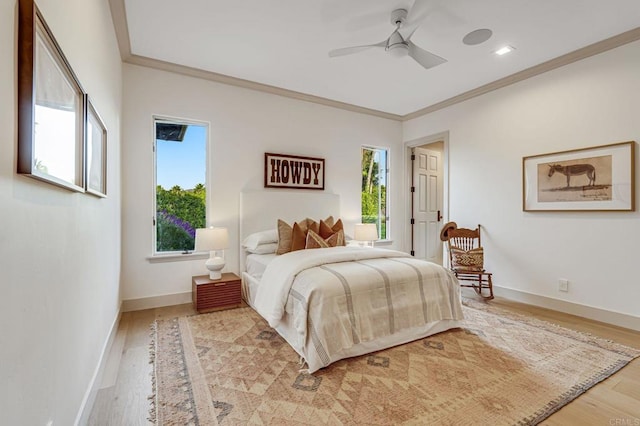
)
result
[(375, 176), (180, 156)]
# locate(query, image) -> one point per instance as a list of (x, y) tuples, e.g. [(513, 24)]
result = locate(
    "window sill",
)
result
[(178, 257)]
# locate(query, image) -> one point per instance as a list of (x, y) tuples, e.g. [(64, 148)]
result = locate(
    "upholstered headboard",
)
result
[(261, 209)]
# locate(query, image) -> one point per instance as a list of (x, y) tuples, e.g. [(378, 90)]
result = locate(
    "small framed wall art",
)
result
[(96, 152), (293, 171), (600, 178)]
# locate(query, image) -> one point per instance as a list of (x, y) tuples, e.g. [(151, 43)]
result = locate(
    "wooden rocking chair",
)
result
[(466, 258)]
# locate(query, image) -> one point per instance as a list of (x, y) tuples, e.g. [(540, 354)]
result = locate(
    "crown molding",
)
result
[(121, 27), (560, 61), (119, 17), (252, 85)]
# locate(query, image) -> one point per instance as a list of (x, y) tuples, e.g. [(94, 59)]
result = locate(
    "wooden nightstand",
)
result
[(214, 295)]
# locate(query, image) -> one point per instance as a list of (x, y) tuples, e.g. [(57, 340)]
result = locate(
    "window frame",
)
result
[(387, 150), (187, 254)]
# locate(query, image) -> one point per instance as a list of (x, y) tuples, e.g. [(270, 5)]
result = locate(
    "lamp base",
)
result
[(215, 264)]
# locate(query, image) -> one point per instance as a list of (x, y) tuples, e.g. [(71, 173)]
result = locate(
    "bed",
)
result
[(339, 302)]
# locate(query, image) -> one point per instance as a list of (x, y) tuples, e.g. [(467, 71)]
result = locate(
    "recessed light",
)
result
[(504, 50), (477, 37)]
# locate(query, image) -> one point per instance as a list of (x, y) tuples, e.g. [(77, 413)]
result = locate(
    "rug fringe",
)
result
[(153, 347), (574, 392)]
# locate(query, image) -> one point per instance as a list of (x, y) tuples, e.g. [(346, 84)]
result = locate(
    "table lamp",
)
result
[(366, 233), (213, 240)]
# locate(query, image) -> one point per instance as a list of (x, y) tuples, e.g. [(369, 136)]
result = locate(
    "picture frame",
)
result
[(51, 106), (293, 171), (95, 151), (600, 178)]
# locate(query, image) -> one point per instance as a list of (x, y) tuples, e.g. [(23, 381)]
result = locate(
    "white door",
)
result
[(427, 204)]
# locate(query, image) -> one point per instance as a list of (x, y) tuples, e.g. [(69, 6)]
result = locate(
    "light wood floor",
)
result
[(126, 385)]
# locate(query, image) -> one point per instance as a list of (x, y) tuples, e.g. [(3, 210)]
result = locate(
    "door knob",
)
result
[(439, 216)]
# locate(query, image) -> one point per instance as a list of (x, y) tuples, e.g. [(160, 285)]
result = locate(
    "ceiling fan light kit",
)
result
[(399, 50), (396, 45), (399, 43)]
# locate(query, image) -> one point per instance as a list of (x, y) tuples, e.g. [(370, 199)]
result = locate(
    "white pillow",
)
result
[(267, 248), (264, 237)]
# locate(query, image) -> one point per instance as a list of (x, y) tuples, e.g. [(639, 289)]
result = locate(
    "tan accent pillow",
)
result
[(336, 239), (285, 234), (467, 261), (329, 221), (291, 240), (312, 225), (316, 241), (338, 226), (327, 231), (299, 236)]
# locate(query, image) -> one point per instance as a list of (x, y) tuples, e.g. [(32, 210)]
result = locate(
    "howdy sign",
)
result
[(292, 171)]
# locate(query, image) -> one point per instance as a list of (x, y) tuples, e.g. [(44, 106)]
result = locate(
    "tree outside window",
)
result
[(180, 151), (374, 188)]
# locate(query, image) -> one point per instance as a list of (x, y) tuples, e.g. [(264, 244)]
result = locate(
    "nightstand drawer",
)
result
[(218, 294), (210, 295)]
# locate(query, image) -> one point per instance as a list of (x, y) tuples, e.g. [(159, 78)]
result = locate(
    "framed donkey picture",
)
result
[(600, 178)]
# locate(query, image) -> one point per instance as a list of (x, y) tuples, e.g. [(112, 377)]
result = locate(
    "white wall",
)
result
[(244, 124), (59, 250), (588, 103)]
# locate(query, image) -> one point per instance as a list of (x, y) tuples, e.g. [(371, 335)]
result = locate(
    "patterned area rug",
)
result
[(231, 368)]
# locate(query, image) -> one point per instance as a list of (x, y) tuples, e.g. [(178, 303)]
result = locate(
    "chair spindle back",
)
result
[(464, 238)]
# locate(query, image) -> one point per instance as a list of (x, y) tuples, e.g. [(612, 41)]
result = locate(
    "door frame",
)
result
[(426, 140)]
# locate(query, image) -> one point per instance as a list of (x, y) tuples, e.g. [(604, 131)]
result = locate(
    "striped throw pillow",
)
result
[(467, 261)]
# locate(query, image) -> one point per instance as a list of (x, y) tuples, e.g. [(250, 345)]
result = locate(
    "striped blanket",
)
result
[(345, 301)]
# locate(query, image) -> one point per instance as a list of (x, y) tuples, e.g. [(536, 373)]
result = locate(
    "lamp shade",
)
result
[(365, 232), (209, 239)]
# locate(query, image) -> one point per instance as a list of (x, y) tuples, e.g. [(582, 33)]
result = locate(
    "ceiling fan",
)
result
[(399, 42)]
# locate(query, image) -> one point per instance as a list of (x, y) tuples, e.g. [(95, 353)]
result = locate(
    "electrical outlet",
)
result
[(563, 285)]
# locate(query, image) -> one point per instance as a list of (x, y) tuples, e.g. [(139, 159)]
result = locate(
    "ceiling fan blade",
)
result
[(355, 49), (418, 12), (424, 58)]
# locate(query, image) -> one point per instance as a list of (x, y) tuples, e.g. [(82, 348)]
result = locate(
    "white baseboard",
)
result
[(156, 301), (82, 418), (597, 314)]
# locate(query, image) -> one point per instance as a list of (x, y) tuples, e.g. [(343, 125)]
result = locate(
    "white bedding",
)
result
[(345, 301), (257, 263)]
